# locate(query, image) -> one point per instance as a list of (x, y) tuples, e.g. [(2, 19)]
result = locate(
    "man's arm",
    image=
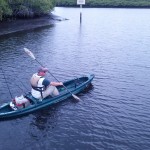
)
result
[(56, 83)]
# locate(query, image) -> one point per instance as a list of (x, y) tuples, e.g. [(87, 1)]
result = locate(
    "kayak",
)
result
[(70, 87)]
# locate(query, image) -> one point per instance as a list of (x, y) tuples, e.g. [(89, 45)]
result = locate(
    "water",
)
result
[(114, 112)]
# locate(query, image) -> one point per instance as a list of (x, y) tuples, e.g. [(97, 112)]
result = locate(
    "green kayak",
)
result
[(73, 86)]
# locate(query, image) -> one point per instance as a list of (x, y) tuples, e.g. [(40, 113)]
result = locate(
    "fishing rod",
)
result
[(7, 84), (24, 86), (15, 84), (21, 89)]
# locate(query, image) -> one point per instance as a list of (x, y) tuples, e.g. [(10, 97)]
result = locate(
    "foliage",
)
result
[(28, 7), (4, 9), (107, 3), (25, 8)]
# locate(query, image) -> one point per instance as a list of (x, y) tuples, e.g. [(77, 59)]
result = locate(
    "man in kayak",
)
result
[(42, 87)]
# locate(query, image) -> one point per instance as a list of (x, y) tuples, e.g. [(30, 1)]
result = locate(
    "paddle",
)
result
[(33, 57)]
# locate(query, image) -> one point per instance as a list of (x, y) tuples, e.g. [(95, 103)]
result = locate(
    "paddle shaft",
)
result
[(7, 83), (54, 77), (33, 57), (48, 71)]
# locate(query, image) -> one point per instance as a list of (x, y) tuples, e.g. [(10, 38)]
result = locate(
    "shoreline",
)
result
[(20, 25), (105, 6)]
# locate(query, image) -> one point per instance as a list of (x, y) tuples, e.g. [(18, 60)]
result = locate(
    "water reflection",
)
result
[(46, 118), (107, 45), (14, 32), (88, 89)]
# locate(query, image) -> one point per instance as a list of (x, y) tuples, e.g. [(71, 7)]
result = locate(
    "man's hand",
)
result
[(60, 83), (56, 83)]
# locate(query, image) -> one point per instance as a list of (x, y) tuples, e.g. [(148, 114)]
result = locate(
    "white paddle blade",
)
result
[(77, 98), (28, 52)]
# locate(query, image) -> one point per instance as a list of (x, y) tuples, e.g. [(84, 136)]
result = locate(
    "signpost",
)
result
[(80, 2)]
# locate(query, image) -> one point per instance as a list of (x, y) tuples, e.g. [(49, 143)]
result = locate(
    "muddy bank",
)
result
[(14, 26)]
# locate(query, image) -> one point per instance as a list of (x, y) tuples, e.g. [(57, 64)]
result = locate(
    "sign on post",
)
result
[(80, 2)]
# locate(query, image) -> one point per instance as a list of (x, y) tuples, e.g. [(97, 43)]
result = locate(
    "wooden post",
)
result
[(80, 13), (80, 2)]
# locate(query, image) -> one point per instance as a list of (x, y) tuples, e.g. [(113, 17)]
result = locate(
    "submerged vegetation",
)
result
[(24, 8), (107, 3)]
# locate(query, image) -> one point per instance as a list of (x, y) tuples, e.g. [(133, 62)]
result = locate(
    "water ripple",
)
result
[(113, 112)]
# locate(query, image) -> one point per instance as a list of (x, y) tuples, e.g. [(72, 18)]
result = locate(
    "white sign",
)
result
[(80, 2)]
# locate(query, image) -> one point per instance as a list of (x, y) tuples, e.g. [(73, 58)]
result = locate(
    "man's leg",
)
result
[(51, 90)]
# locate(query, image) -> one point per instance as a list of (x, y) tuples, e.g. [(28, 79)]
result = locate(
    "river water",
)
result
[(114, 113)]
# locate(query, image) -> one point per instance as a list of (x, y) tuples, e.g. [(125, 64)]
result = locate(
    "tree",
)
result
[(25, 8), (4, 9), (31, 8)]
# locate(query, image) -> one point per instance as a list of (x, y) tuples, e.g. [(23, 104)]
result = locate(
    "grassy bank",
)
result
[(107, 3)]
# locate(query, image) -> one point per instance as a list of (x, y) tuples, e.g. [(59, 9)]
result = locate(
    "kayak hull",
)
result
[(75, 86)]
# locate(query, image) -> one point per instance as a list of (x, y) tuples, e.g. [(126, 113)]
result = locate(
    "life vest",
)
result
[(34, 79), (36, 83)]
